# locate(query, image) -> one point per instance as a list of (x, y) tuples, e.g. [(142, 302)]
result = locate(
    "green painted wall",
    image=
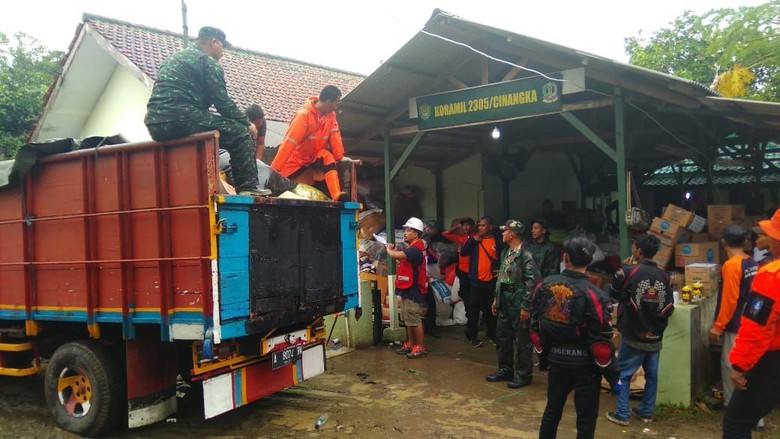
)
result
[(352, 332)]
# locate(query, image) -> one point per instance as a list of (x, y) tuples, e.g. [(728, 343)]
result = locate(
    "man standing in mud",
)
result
[(517, 278), (572, 332)]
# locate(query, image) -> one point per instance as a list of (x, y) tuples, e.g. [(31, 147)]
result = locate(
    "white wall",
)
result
[(120, 109)]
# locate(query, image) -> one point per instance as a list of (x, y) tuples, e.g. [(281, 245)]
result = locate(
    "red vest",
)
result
[(406, 273)]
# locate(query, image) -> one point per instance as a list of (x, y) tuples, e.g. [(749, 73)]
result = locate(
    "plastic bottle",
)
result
[(686, 294), (320, 421)]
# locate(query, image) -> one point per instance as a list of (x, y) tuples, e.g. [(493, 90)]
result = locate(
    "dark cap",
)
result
[(735, 232), (208, 32), (513, 225)]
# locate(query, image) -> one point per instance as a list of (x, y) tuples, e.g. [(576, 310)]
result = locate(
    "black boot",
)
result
[(519, 382), (501, 375)]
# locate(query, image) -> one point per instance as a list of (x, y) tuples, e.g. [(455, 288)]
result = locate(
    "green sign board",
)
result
[(487, 103)]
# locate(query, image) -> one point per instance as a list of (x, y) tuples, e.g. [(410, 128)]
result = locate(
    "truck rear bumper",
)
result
[(233, 389)]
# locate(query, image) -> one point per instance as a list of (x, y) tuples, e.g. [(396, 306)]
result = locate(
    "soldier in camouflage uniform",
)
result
[(546, 254), (188, 84), (517, 279)]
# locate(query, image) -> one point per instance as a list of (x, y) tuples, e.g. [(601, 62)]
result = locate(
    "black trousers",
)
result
[(586, 383), (429, 319), (465, 286), (748, 406), (481, 299)]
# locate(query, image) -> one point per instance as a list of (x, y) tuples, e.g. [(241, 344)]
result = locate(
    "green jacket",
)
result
[(519, 270), (189, 82), (547, 257)]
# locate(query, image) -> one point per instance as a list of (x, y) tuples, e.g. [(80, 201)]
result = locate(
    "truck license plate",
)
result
[(286, 356)]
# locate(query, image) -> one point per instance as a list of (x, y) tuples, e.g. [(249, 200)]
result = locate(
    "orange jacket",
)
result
[(460, 239), (312, 135), (759, 328)]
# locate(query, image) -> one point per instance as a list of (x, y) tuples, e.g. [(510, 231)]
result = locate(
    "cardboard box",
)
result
[(700, 237), (698, 224), (719, 216), (685, 236), (677, 215), (664, 256), (707, 274), (371, 223), (676, 280), (666, 231), (694, 252)]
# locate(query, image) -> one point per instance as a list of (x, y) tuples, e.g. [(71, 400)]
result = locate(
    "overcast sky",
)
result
[(357, 35)]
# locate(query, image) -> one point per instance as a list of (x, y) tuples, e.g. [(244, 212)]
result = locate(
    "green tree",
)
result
[(736, 51), (27, 69)]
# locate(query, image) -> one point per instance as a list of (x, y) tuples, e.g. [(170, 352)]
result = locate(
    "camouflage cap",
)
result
[(208, 32), (514, 225)]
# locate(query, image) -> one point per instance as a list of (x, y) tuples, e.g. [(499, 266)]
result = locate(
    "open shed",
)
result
[(612, 118)]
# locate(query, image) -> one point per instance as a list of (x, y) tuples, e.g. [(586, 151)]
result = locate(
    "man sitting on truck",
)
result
[(188, 84), (313, 144)]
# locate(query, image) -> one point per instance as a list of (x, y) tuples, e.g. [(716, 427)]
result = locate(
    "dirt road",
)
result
[(375, 393)]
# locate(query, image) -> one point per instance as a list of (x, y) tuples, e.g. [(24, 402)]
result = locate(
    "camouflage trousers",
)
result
[(513, 344), (233, 137)]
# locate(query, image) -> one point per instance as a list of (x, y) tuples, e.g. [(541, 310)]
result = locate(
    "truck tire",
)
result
[(84, 388)]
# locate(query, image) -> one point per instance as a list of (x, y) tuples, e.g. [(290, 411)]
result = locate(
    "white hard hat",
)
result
[(415, 223)]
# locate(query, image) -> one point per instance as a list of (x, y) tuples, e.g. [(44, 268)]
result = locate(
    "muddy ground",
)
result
[(378, 394)]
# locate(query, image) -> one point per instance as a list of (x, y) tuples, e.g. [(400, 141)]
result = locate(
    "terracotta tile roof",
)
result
[(280, 85)]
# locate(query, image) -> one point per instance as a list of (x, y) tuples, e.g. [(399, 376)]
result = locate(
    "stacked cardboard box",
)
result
[(663, 256), (685, 218), (668, 232), (706, 274), (696, 252), (721, 216), (677, 215)]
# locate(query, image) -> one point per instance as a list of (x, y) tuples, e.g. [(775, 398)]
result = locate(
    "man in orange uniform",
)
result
[(483, 250), (737, 274), (459, 233), (314, 140), (755, 359)]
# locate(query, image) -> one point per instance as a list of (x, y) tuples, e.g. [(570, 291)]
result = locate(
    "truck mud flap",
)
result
[(239, 387)]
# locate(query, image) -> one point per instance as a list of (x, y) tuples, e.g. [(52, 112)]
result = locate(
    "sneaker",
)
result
[(640, 416), (475, 342), (405, 349), (417, 352), (256, 193), (613, 417)]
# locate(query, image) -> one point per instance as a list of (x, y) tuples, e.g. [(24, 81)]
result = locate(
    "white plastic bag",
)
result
[(459, 313), (455, 291)]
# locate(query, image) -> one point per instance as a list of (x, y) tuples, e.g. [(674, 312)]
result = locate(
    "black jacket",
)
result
[(570, 316), (645, 301)]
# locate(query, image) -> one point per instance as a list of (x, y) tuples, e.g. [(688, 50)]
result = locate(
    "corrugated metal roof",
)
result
[(730, 168), (429, 64)]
